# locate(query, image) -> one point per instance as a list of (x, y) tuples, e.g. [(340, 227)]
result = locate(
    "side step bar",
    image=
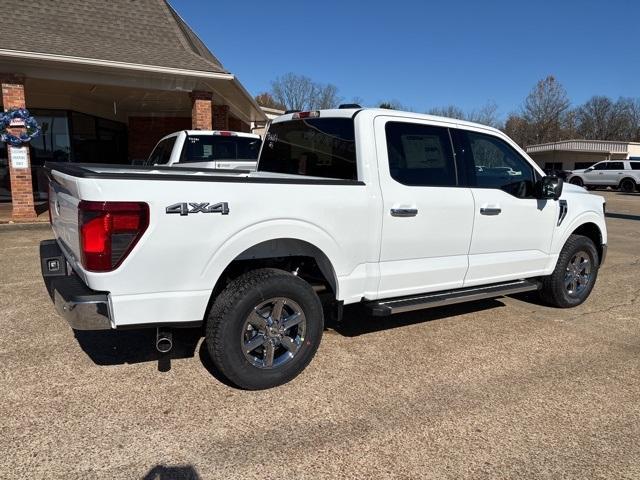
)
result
[(382, 308)]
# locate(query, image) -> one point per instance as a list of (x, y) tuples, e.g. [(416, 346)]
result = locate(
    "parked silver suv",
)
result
[(622, 174)]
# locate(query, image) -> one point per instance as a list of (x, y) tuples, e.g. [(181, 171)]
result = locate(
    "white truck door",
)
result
[(512, 230), (427, 217)]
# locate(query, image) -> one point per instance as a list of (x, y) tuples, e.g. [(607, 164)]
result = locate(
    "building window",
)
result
[(52, 145), (552, 166), (97, 140)]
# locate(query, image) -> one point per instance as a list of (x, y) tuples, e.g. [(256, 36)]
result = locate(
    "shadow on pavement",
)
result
[(357, 322), (623, 216), (116, 347), (179, 472)]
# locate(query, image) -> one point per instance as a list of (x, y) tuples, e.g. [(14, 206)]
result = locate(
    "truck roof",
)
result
[(213, 133), (350, 112)]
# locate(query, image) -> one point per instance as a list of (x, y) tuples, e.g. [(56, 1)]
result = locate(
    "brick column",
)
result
[(221, 117), (201, 110), (21, 186)]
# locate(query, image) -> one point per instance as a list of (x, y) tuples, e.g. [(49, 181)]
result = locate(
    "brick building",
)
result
[(106, 80)]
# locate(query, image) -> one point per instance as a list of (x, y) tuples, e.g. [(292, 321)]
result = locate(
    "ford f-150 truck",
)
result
[(395, 211)]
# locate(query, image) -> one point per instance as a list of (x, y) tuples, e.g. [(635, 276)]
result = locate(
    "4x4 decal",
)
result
[(183, 208)]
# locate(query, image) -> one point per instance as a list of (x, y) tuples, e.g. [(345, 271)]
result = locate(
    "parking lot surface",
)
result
[(504, 388)]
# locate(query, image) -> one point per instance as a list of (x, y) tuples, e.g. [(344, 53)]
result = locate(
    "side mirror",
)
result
[(589, 169), (548, 188)]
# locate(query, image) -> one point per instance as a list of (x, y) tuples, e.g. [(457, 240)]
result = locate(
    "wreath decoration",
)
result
[(32, 129)]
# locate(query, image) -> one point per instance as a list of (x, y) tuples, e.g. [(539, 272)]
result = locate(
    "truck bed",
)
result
[(136, 172)]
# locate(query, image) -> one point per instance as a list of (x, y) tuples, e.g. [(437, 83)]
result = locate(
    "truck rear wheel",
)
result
[(264, 328), (575, 274)]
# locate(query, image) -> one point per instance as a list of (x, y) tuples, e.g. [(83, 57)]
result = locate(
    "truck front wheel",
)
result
[(575, 274), (264, 328)]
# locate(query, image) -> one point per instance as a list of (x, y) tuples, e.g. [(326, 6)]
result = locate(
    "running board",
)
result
[(382, 308)]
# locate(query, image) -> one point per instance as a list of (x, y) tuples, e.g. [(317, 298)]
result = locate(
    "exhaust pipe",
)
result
[(164, 340)]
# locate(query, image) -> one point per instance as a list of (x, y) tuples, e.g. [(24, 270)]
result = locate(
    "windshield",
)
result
[(317, 147), (207, 148)]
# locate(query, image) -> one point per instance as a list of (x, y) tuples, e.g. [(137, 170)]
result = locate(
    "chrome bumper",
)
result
[(81, 307)]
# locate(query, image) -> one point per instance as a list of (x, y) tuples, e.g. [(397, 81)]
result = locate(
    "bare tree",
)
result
[(450, 111), (295, 92), (518, 129), (544, 108), (600, 118), (486, 115), (298, 92), (265, 99), (326, 96), (392, 105)]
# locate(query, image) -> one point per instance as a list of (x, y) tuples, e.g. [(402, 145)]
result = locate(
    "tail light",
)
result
[(109, 231)]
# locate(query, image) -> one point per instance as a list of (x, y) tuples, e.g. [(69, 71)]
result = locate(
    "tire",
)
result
[(559, 289), (244, 316), (577, 181), (627, 185)]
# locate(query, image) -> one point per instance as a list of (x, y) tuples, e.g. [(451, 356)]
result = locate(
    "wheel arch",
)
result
[(282, 252), (627, 178), (593, 232), (292, 247)]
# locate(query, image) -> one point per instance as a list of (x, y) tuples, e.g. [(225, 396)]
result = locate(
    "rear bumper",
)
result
[(81, 307)]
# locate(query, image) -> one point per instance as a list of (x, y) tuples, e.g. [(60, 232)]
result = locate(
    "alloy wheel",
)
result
[(273, 333), (578, 274)]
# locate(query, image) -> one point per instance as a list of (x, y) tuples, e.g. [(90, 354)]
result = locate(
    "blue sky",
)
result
[(428, 53)]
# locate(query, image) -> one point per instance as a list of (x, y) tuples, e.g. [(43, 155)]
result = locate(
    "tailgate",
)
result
[(63, 205)]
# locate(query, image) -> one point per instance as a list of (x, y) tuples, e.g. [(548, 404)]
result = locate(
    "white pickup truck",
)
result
[(207, 149), (396, 211)]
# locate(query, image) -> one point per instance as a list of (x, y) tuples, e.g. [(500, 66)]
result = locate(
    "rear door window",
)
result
[(615, 166), (420, 155), (635, 165), (315, 147)]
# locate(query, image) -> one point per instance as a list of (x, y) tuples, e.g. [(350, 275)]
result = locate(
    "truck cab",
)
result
[(207, 149)]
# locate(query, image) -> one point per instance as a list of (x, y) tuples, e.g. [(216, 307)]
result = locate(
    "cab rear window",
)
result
[(315, 147), (207, 148)]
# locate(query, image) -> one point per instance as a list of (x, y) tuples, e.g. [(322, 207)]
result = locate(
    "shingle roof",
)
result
[(147, 32)]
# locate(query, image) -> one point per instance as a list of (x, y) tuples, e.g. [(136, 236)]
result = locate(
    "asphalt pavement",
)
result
[(503, 388)]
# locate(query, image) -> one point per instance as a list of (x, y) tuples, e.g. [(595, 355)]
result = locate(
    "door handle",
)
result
[(404, 212), (490, 211)]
